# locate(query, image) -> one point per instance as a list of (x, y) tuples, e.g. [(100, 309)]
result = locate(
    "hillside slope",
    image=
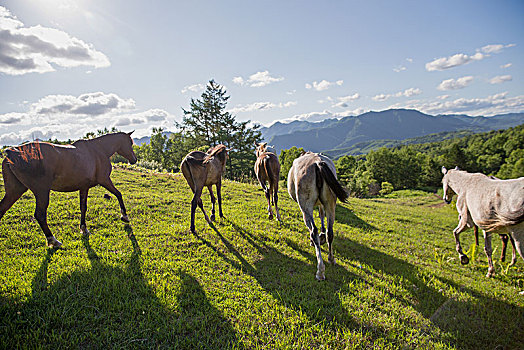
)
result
[(246, 282)]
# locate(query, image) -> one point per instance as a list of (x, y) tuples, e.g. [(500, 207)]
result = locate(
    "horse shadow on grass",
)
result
[(463, 324), (483, 320), (114, 307), (291, 282)]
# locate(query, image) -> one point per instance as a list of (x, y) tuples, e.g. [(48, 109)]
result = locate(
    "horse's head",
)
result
[(448, 191), (260, 148), (126, 148)]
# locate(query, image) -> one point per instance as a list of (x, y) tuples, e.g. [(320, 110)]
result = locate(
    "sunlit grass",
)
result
[(247, 282)]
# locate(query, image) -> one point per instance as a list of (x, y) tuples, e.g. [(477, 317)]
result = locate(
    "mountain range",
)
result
[(340, 136)]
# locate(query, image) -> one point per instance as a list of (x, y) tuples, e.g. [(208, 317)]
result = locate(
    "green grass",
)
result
[(247, 282)]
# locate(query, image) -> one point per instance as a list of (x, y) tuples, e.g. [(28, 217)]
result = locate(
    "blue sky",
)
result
[(72, 66)]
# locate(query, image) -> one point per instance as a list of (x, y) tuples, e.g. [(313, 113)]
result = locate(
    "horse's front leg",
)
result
[(462, 225), (108, 185), (83, 210), (487, 250), (42, 202), (213, 200)]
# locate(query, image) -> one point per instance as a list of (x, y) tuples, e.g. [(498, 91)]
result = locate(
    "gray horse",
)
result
[(312, 180), (491, 204)]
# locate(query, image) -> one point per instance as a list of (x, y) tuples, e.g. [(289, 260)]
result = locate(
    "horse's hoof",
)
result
[(192, 229), (322, 238), (489, 274), (270, 216), (320, 277), (464, 260), (213, 217), (84, 230), (521, 293), (53, 243), (331, 260), (125, 218)]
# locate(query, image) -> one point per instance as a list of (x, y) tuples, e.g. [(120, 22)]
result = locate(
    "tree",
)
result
[(207, 122), (286, 159)]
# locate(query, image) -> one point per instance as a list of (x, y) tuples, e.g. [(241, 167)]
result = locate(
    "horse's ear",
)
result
[(129, 133), (444, 170)]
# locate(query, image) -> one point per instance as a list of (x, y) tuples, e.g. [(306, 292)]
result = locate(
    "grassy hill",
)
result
[(248, 282)]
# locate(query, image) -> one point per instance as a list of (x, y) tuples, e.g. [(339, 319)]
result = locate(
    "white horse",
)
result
[(312, 180), (493, 205)]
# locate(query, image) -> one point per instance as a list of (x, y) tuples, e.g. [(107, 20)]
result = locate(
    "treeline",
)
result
[(499, 153)]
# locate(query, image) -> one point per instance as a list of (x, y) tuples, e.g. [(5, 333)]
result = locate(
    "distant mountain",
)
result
[(393, 124), (145, 140)]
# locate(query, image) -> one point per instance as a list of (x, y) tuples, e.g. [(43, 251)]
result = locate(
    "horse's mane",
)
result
[(219, 151)]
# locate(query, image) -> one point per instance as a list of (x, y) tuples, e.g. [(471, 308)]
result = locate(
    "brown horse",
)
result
[(42, 167), (312, 180), (205, 169), (267, 168), (505, 238)]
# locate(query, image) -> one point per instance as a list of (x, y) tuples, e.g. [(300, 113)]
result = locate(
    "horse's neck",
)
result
[(107, 145), (459, 182)]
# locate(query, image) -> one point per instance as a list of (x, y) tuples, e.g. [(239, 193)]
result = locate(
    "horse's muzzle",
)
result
[(133, 161)]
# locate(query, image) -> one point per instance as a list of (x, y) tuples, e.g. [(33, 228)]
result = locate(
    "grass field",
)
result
[(248, 282)]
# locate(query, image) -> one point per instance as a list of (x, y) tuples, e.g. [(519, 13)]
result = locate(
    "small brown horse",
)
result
[(312, 180), (505, 238), (42, 167), (205, 169), (267, 168)]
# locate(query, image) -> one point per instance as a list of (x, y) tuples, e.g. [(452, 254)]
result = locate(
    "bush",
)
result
[(387, 188)]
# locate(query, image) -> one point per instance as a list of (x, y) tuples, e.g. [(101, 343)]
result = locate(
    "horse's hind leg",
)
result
[(307, 212), (14, 189), (504, 239), (267, 192), (219, 197), (83, 209), (322, 215), (42, 202), (108, 185), (275, 199), (213, 200), (513, 251), (487, 250), (330, 235)]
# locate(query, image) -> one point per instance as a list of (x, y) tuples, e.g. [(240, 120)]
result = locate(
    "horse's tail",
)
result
[(324, 173), (268, 169)]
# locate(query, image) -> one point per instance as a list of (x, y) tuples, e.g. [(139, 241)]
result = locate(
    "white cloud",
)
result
[(258, 79), (490, 105), (507, 65), (399, 69), (406, 93), (87, 105), (193, 88), (453, 61), (452, 84), (460, 59), (40, 49), (500, 79), (442, 97), (410, 60), (11, 118), (495, 48), (323, 85), (260, 106), (344, 100), (71, 117), (320, 116)]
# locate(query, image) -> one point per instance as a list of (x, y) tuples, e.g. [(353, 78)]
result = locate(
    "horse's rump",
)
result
[(26, 159), (324, 172)]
